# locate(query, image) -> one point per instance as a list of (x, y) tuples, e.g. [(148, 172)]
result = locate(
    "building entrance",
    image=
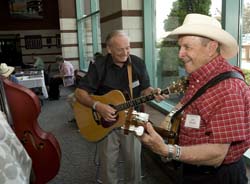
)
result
[(10, 50)]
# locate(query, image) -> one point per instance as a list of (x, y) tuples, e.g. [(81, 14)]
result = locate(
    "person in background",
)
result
[(38, 62), (108, 73), (214, 129), (7, 72), (65, 77)]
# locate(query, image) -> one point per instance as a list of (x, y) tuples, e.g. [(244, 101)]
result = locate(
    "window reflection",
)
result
[(245, 40), (88, 30), (169, 15)]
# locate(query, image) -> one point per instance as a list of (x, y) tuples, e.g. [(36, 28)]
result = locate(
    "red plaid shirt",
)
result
[(224, 110)]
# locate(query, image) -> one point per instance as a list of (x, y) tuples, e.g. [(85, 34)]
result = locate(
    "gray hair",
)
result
[(205, 40), (59, 58), (113, 34)]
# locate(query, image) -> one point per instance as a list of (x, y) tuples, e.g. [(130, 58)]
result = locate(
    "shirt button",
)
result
[(192, 86), (197, 81)]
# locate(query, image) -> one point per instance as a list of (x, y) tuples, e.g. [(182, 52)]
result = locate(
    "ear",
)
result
[(213, 47), (108, 49)]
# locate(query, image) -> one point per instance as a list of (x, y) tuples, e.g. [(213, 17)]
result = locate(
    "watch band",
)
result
[(94, 105), (170, 151), (178, 152)]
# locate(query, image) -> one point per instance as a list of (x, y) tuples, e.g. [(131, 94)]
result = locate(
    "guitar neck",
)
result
[(137, 101)]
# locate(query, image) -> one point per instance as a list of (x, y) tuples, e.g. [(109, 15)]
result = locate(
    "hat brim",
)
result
[(228, 44), (9, 71)]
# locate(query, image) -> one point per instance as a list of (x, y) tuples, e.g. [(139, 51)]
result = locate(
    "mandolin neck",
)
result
[(163, 132)]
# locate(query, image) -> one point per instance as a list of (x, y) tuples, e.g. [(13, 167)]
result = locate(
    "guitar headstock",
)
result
[(179, 86)]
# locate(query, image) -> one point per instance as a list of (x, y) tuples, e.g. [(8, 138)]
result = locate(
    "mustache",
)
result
[(186, 60)]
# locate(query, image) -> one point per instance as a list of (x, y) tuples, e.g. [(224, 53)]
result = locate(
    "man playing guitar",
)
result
[(108, 73)]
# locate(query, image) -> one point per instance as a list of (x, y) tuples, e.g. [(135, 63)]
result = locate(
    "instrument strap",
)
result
[(212, 82), (129, 68), (130, 111)]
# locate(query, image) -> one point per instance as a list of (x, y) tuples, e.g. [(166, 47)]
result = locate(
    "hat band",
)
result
[(5, 71)]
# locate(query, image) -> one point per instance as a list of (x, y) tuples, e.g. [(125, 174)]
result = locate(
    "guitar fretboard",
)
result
[(137, 101)]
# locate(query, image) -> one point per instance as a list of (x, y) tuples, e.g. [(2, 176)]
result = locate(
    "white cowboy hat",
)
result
[(6, 70), (203, 25)]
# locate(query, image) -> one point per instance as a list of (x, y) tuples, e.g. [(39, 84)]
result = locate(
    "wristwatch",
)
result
[(170, 152), (170, 156), (178, 152)]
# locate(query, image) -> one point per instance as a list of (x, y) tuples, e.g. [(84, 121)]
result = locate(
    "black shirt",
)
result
[(103, 76)]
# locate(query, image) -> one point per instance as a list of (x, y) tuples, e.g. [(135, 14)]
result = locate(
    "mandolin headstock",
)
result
[(137, 123), (179, 86)]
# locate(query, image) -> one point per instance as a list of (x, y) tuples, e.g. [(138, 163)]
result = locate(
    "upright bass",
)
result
[(42, 147)]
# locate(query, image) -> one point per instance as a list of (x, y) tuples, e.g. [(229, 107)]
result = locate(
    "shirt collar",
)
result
[(205, 72), (111, 62)]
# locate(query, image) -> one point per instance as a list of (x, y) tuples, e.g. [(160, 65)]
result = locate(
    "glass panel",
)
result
[(245, 40), (99, 41), (87, 9), (94, 5), (88, 39), (88, 31), (169, 15)]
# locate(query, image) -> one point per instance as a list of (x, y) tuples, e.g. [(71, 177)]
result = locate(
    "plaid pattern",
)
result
[(224, 110)]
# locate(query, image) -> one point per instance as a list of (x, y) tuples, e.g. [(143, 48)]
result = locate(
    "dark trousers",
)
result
[(234, 173), (54, 83)]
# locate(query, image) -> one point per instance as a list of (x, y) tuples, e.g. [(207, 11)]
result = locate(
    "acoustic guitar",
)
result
[(94, 128)]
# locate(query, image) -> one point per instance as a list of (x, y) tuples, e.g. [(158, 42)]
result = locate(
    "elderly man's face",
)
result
[(194, 53), (119, 48)]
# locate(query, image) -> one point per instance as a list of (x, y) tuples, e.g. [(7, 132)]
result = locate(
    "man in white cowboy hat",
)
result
[(214, 129), (6, 72)]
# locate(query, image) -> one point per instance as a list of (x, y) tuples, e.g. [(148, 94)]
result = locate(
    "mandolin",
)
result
[(170, 133)]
